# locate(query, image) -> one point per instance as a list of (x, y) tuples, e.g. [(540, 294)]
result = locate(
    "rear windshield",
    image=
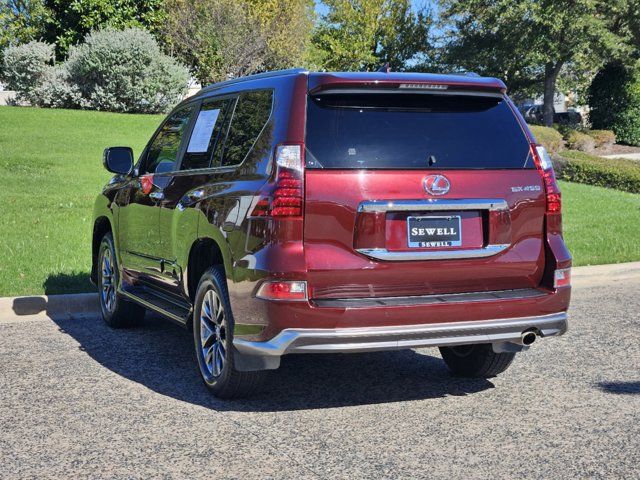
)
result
[(413, 131)]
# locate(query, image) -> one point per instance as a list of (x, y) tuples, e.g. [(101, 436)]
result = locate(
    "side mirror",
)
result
[(118, 160)]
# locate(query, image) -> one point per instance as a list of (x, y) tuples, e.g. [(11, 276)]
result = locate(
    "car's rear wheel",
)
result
[(213, 338), (476, 360), (116, 311)]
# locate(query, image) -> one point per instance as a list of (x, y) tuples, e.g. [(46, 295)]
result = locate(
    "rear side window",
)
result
[(413, 131), (163, 150), (249, 119), (206, 135)]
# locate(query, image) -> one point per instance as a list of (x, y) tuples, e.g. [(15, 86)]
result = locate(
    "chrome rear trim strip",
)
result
[(313, 340), (432, 205), (384, 254)]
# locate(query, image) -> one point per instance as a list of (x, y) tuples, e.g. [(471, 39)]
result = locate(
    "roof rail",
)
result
[(257, 76)]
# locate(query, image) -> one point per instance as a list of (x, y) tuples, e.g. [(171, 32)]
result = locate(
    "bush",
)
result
[(620, 174), (25, 66), (580, 141), (57, 91), (550, 138), (614, 98), (603, 138), (125, 71)]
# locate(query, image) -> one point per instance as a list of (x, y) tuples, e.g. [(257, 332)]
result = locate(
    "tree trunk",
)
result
[(551, 72)]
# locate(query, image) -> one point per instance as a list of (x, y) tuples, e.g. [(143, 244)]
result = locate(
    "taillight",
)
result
[(543, 163), (283, 290), (562, 278), (287, 197)]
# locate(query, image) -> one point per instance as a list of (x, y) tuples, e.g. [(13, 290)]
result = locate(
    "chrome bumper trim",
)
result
[(314, 340), (433, 205), (384, 254)]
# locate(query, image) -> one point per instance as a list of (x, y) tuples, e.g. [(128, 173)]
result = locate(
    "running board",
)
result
[(174, 310)]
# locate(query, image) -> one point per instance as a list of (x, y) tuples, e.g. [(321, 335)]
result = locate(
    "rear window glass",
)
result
[(249, 119), (413, 131)]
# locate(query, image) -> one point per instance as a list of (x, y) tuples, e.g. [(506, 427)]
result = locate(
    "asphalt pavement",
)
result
[(78, 400)]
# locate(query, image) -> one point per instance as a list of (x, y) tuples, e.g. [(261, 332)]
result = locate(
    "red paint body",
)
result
[(320, 246)]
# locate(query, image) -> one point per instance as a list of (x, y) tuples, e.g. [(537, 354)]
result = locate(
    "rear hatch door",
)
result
[(419, 193)]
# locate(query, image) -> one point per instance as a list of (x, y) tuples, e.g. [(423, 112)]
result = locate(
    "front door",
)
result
[(139, 203)]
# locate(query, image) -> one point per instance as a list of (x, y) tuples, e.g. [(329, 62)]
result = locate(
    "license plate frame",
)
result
[(442, 237)]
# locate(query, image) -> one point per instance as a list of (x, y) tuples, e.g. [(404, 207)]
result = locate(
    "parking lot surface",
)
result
[(80, 400)]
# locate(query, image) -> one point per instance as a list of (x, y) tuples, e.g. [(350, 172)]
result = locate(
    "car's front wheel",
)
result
[(213, 338), (116, 311), (476, 360)]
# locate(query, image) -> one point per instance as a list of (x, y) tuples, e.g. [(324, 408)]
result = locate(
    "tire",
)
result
[(116, 311), (213, 340), (476, 360)]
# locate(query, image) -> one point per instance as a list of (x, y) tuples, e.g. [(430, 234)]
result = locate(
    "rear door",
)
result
[(186, 186), (419, 193)]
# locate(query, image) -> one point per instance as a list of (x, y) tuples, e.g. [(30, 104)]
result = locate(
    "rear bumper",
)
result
[(362, 339)]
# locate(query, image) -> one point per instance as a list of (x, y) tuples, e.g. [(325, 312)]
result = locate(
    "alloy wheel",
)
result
[(213, 334), (107, 281)]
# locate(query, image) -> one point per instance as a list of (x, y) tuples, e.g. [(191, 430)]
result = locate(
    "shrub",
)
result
[(25, 66), (603, 138), (580, 141), (550, 138), (614, 98), (56, 90), (125, 71), (620, 174)]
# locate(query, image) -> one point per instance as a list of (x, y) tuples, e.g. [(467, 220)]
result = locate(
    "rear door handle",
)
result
[(157, 195)]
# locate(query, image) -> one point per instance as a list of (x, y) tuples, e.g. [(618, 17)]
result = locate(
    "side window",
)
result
[(206, 135), (249, 118), (163, 151)]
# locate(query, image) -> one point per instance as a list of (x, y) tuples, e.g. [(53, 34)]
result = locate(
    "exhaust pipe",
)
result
[(527, 338)]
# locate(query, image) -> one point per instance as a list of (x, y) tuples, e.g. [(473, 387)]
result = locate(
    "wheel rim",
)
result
[(213, 334), (107, 281)]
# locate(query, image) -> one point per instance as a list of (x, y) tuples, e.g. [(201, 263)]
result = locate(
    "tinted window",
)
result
[(251, 115), (206, 135), (163, 151), (409, 131)]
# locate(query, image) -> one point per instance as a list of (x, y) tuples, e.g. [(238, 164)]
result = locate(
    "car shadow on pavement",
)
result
[(620, 388), (159, 355)]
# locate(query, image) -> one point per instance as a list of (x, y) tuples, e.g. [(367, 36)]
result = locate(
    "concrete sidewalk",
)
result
[(19, 309)]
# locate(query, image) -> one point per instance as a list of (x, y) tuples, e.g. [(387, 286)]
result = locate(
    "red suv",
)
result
[(298, 212)]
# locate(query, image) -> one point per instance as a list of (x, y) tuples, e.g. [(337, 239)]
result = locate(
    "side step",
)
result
[(158, 302)]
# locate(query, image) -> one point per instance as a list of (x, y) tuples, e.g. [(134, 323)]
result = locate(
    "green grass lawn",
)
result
[(600, 225), (51, 171)]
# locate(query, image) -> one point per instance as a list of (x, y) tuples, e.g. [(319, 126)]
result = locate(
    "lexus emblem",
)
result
[(436, 184)]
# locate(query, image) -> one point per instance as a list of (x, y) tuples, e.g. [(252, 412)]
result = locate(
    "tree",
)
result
[(364, 34), (71, 21), (614, 98), (528, 42), (22, 21), (286, 26), (217, 39)]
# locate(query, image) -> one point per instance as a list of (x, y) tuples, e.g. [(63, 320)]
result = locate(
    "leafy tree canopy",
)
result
[(364, 34), (528, 42), (71, 21), (22, 21)]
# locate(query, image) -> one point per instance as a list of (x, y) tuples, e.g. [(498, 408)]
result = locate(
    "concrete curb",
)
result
[(19, 309)]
